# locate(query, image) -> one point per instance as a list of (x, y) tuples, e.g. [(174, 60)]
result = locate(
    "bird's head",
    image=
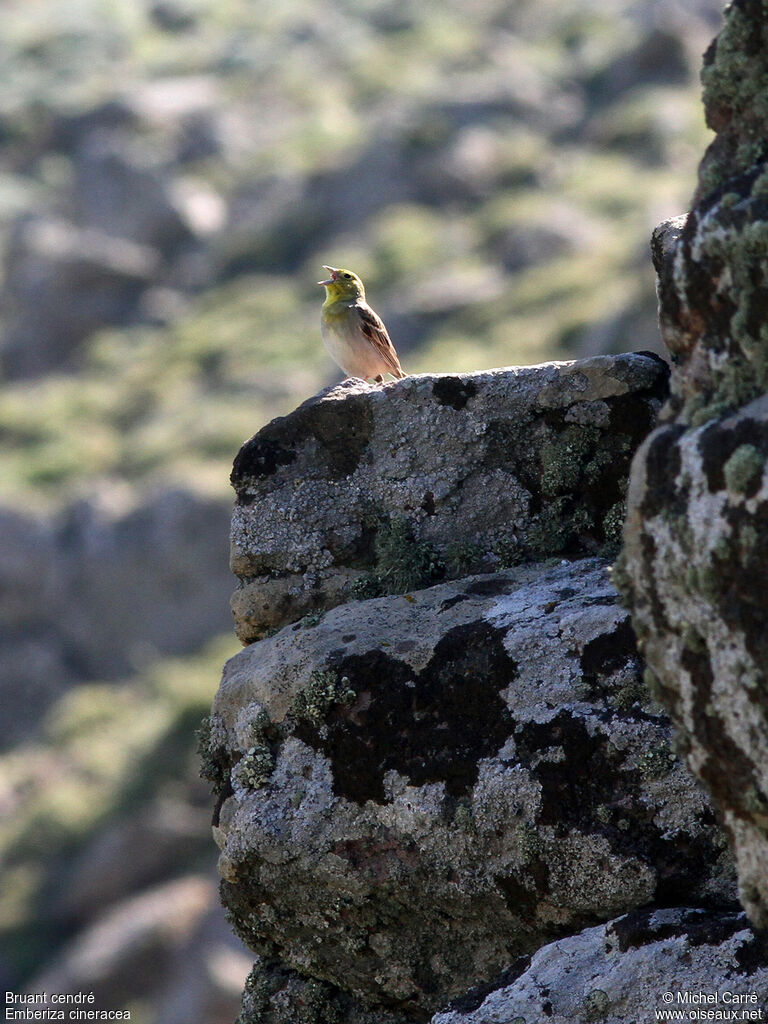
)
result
[(342, 284)]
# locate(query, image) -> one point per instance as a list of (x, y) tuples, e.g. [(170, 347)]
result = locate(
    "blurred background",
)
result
[(172, 176)]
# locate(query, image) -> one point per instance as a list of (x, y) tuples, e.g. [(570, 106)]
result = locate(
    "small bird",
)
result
[(353, 334)]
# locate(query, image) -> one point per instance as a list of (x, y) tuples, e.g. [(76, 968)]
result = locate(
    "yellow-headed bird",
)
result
[(353, 334)]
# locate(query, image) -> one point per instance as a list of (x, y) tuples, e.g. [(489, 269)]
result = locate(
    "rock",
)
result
[(124, 194), (625, 971), (418, 789), (696, 543), (132, 940), (733, 76), (367, 489), (126, 568), (275, 995), (61, 283), (128, 855), (694, 564), (130, 570), (166, 947)]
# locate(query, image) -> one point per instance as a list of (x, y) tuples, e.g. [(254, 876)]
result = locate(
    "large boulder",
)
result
[(679, 961), (365, 490), (415, 790), (695, 560)]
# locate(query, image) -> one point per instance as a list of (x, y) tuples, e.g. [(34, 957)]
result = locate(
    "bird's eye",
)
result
[(348, 276)]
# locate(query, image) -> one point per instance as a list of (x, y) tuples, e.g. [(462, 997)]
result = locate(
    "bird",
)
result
[(353, 333)]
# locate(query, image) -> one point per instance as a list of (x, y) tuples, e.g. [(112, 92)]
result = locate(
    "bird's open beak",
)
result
[(333, 272)]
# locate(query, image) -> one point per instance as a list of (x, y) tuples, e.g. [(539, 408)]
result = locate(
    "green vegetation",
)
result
[(401, 562), (105, 754), (324, 689)]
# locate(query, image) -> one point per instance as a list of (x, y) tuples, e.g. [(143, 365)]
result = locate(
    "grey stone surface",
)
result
[(694, 565), (625, 971), (370, 489), (127, 569), (417, 789), (695, 558), (61, 282), (274, 994)]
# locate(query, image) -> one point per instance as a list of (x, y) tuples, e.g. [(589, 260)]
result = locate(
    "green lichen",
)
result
[(629, 695), (744, 470), (550, 529), (709, 578), (214, 763), (463, 818), (734, 91), (693, 640), (463, 558), (531, 844), (760, 185), (310, 620), (567, 456), (508, 552), (739, 372), (657, 761), (255, 768), (325, 688), (613, 526), (653, 683), (749, 540), (755, 802), (366, 587), (596, 1005), (402, 563)]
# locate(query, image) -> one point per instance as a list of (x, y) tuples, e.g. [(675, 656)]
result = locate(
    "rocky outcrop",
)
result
[(425, 787), (418, 788), (366, 490), (434, 795), (677, 960), (694, 565)]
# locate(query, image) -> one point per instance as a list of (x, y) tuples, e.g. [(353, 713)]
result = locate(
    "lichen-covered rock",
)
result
[(366, 490), (274, 994), (735, 97), (678, 960), (713, 298), (695, 561), (417, 789)]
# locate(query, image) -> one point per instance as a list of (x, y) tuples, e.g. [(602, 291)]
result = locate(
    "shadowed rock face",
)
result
[(419, 789), (695, 561), (366, 490), (619, 972)]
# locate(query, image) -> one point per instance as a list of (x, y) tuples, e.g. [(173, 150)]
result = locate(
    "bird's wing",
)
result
[(373, 328)]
